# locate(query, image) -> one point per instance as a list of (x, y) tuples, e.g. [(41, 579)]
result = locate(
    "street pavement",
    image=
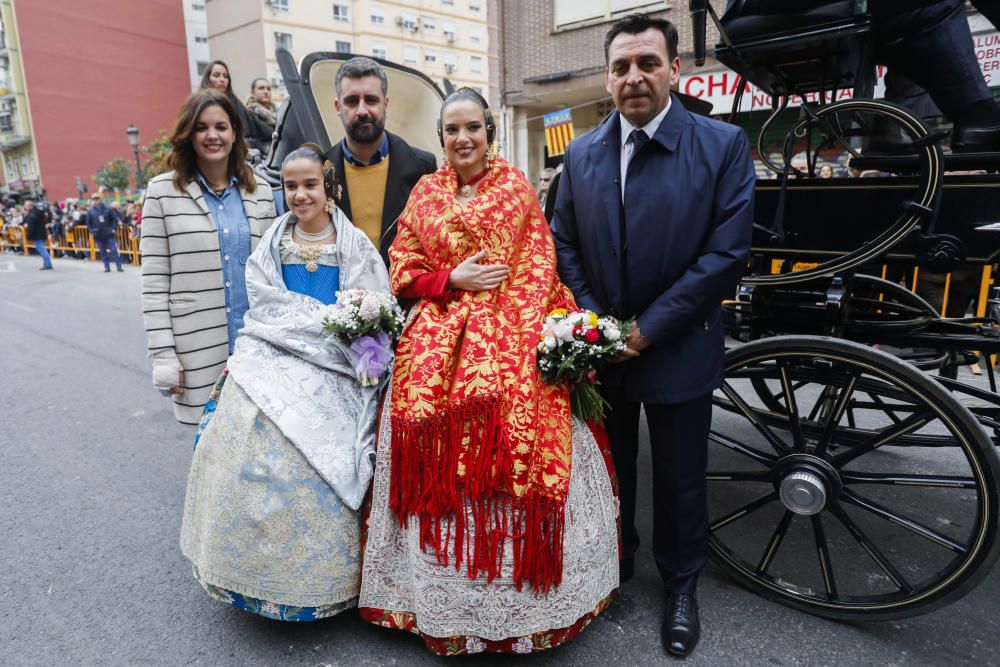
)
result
[(94, 472)]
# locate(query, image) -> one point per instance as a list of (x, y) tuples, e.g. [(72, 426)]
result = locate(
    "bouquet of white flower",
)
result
[(572, 345), (368, 322)]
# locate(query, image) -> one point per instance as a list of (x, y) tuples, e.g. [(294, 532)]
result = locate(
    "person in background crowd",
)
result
[(217, 76), (102, 223), (544, 181), (664, 269), (486, 487), (55, 229), (200, 223), (262, 113), (376, 168), (36, 232), (826, 171)]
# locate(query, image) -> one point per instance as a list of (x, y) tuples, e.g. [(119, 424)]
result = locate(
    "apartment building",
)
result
[(19, 174), (445, 39), (196, 33), (75, 76)]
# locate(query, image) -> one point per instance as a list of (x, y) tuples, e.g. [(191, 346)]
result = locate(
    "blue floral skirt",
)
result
[(262, 607)]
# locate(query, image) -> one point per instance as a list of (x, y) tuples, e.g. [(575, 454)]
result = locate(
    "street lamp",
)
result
[(133, 139)]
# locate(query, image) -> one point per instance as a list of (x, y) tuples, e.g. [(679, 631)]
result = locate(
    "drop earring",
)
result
[(444, 158), (331, 205)]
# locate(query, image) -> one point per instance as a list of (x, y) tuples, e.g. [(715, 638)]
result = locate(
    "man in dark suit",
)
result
[(653, 221), (376, 169)]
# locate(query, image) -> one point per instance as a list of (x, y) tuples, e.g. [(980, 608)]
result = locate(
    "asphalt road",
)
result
[(93, 475)]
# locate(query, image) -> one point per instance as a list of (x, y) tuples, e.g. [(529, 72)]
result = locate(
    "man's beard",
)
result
[(365, 131)]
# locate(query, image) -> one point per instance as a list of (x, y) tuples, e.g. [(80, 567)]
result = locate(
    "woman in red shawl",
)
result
[(493, 524)]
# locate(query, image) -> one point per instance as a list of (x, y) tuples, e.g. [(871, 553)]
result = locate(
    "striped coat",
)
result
[(183, 300)]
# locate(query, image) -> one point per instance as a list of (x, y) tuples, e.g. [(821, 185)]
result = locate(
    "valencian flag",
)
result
[(558, 131)]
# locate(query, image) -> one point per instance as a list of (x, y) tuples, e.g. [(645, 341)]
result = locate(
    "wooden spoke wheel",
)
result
[(886, 514)]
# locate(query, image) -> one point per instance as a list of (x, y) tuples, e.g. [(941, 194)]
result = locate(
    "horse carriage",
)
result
[(845, 480)]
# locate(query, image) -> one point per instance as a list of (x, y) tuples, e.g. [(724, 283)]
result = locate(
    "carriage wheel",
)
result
[(885, 515)]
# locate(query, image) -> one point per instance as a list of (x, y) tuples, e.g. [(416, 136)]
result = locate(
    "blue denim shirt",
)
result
[(381, 154), (234, 246)]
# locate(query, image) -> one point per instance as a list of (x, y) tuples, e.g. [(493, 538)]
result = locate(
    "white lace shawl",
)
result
[(285, 363)]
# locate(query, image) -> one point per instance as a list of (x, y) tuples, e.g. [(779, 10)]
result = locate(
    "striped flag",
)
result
[(558, 131)]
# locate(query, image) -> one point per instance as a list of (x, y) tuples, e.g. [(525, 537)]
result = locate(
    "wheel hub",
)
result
[(803, 493), (806, 484)]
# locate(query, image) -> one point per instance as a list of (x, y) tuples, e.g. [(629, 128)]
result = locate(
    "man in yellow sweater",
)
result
[(376, 169)]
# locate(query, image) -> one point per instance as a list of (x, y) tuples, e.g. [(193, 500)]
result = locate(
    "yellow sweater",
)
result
[(366, 189)]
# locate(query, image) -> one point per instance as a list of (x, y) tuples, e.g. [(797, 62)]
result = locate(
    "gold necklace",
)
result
[(310, 253)]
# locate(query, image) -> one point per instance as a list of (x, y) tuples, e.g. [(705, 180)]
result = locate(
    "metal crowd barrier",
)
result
[(77, 241)]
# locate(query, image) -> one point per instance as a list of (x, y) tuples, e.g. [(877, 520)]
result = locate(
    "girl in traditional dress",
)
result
[(493, 524), (284, 454)]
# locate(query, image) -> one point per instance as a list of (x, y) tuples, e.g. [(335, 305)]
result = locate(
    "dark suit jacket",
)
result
[(671, 260), (406, 165)]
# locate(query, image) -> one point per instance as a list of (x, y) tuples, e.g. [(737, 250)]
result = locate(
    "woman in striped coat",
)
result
[(200, 222)]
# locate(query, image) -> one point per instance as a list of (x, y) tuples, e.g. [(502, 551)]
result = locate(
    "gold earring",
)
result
[(331, 205), (491, 152), (444, 157)]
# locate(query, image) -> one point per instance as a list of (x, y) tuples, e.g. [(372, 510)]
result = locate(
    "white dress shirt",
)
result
[(649, 128)]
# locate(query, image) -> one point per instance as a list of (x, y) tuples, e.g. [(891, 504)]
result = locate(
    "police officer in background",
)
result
[(102, 223)]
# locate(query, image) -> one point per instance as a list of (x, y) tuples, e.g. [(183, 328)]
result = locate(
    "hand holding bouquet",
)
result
[(368, 322), (572, 344)]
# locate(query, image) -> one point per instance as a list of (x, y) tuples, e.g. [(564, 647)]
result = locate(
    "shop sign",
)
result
[(720, 86)]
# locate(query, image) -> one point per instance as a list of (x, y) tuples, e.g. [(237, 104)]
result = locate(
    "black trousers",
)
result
[(678, 436)]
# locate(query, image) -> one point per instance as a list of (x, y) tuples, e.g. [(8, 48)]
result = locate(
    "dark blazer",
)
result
[(406, 165), (680, 250)]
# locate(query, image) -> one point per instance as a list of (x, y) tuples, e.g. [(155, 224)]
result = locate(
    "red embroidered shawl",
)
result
[(472, 420)]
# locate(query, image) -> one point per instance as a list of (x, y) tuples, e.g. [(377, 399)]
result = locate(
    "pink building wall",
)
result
[(91, 68)]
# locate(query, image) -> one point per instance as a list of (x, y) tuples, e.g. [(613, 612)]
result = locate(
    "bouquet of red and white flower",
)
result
[(368, 323), (572, 345)]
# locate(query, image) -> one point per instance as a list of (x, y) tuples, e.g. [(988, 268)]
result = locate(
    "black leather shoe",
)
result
[(626, 570), (681, 627), (971, 138)]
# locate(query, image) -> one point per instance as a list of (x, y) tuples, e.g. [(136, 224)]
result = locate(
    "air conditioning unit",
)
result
[(399, 20), (450, 36), (449, 67)]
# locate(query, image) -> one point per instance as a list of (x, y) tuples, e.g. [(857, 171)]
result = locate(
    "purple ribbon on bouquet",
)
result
[(374, 354)]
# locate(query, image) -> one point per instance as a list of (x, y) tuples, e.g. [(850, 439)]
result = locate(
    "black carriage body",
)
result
[(846, 478)]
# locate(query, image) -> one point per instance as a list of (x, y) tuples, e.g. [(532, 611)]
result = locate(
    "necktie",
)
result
[(639, 139)]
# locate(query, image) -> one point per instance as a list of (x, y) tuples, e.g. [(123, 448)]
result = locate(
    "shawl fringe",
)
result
[(425, 483)]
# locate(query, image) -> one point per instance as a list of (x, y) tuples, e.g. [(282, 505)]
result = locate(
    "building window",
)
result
[(202, 66), (197, 6), (376, 15), (448, 3), (429, 25), (343, 47), (476, 64), (380, 51), (450, 62), (476, 35), (342, 13), (410, 55), (474, 6), (198, 39), (283, 40), (449, 30), (6, 124), (430, 57), (568, 12), (279, 4)]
